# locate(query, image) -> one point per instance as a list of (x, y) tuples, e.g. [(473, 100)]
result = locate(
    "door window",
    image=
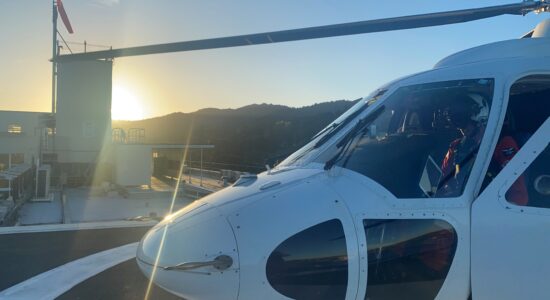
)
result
[(528, 108), (408, 258), (532, 188), (312, 264)]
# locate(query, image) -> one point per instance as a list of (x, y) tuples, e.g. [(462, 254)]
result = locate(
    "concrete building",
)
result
[(83, 111), (22, 135), (78, 141)]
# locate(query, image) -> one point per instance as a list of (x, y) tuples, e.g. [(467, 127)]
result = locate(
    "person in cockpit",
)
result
[(466, 113)]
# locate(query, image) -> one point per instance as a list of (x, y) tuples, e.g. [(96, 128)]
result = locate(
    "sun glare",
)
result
[(125, 105)]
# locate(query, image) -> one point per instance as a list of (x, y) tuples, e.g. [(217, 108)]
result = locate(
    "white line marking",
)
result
[(53, 283), (74, 226)]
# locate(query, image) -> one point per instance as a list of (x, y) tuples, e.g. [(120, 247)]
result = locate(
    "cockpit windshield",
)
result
[(422, 140), (298, 157)]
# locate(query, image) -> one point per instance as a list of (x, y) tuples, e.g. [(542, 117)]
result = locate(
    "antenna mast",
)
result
[(54, 51)]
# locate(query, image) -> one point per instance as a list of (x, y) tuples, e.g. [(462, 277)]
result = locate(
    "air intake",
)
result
[(541, 30)]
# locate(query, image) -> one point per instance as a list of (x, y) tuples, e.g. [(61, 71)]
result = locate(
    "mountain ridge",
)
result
[(252, 135)]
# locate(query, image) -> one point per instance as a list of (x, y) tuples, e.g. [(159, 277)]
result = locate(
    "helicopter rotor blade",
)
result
[(379, 25)]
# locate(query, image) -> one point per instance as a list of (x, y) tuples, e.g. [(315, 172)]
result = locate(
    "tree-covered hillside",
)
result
[(248, 137)]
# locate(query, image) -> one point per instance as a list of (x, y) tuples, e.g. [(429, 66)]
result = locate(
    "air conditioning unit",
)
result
[(43, 182)]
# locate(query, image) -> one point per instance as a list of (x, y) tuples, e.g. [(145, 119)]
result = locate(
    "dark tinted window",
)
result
[(528, 108), (439, 125), (408, 259), (313, 264), (532, 188)]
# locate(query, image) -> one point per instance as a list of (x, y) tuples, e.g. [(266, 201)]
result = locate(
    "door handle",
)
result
[(221, 263)]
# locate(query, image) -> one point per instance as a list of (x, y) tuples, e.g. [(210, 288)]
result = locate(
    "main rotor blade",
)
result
[(380, 25)]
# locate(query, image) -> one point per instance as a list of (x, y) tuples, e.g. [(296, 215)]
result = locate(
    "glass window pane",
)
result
[(4, 161), (532, 188), (528, 108), (313, 264), (17, 158), (431, 128), (15, 129), (408, 258), (302, 156)]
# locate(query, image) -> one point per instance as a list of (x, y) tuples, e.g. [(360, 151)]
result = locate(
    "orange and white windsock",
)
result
[(64, 17)]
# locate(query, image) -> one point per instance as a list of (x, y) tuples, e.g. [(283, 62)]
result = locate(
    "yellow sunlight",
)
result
[(125, 105)]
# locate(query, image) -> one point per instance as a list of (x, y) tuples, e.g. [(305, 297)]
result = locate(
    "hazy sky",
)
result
[(295, 73)]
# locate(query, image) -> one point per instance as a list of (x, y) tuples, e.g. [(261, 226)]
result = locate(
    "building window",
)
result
[(8, 160), (312, 264), (136, 135), (4, 161), (88, 129), (17, 158), (15, 129)]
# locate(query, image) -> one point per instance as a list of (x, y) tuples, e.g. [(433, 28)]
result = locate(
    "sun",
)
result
[(125, 105)]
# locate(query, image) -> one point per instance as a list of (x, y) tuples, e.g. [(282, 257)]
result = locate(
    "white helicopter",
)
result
[(436, 186)]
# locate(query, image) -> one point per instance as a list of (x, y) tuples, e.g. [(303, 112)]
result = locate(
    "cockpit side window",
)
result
[(528, 108), (424, 138)]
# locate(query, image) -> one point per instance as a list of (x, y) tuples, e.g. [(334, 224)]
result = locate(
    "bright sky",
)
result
[(294, 74)]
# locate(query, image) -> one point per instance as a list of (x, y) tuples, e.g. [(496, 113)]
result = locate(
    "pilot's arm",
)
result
[(448, 168)]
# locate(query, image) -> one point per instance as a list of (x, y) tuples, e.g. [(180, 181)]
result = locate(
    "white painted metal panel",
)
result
[(26, 142), (510, 243), (83, 117), (133, 164), (369, 200), (264, 224)]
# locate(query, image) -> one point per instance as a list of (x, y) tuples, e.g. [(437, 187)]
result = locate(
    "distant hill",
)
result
[(245, 138)]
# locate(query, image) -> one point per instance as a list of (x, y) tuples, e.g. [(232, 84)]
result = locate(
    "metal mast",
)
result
[(54, 51)]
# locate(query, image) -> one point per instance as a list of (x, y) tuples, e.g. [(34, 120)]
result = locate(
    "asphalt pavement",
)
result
[(24, 255), (124, 281)]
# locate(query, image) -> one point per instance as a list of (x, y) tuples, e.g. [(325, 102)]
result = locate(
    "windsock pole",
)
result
[(54, 51)]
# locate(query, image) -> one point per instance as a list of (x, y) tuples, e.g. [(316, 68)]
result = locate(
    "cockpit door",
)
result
[(510, 257)]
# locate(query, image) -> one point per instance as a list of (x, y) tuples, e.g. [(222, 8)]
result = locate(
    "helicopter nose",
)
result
[(193, 254)]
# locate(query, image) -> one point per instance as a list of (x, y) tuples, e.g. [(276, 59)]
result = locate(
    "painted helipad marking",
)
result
[(75, 226), (53, 283)]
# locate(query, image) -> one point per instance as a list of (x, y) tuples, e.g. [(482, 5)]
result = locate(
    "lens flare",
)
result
[(170, 211), (125, 105)]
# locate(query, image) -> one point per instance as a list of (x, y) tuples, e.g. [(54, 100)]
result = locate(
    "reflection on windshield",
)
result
[(332, 129), (443, 121), (335, 127), (345, 142)]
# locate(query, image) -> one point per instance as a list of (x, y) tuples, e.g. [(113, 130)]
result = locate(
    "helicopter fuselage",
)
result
[(407, 208)]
